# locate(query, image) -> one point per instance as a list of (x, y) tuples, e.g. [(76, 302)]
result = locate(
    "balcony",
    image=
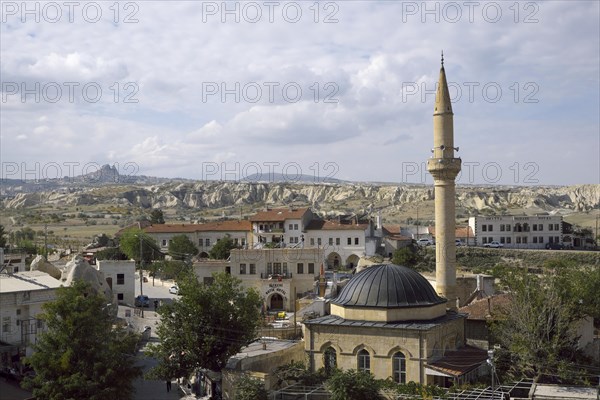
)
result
[(276, 277)]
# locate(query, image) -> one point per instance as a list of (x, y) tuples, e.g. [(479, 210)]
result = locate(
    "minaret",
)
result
[(444, 167)]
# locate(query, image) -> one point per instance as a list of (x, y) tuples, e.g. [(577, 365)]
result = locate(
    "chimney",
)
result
[(379, 220)]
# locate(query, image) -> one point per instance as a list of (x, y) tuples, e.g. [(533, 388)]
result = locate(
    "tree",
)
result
[(157, 217), (82, 355), (248, 388), (180, 247), (222, 248), (129, 244), (539, 331), (111, 253), (406, 256), (205, 326), (353, 385), (2, 238)]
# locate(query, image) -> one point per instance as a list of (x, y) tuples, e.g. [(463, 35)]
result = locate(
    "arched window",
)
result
[(399, 367), (329, 359), (364, 361)]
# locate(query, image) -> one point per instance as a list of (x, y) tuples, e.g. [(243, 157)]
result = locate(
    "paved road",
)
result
[(10, 390)]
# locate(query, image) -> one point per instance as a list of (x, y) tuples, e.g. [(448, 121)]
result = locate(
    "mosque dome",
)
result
[(388, 292)]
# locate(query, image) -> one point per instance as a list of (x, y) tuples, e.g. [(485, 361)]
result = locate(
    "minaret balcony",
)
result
[(444, 168)]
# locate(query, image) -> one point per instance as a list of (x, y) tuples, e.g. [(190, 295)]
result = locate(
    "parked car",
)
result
[(174, 289), (142, 301), (424, 242), (494, 245), (555, 246)]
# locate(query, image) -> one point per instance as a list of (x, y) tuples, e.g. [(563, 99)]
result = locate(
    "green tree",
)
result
[(248, 388), (407, 256), (353, 385), (539, 330), (205, 326), (82, 355), (2, 238), (111, 253), (180, 247), (157, 217), (222, 248), (172, 269), (129, 243)]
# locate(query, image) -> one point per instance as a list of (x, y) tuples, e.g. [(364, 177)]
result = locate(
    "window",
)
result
[(285, 270), (318, 241), (300, 269), (330, 359), (534, 227), (508, 227), (556, 239), (399, 367), (490, 228), (484, 240), (277, 268), (236, 242), (502, 228), (120, 297), (40, 323), (556, 228), (312, 241), (242, 269), (311, 268), (535, 239), (541, 239), (331, 241), (295, 227), (164, 242), (243, 241), (290, 227), (269, 268), (541, 227), (364, 361), (6, 325), (550, 239), (524, 239), (484, 228), (200, 242), (508, 240), (550, 227), (252, 269), (356, 241), (207, 242), (349, 241), (337, 241), (120, 279), (518, 239), (502, 239)]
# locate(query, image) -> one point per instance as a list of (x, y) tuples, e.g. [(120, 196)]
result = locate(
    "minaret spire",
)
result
[(442, 58)]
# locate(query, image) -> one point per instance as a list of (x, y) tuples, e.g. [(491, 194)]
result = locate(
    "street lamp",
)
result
[(141, 277)]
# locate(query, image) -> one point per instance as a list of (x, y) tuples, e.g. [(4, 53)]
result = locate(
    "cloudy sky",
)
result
[(213, 90)]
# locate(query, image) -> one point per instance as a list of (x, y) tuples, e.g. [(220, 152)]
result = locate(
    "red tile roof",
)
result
[(207, 227), (459, 362), (279, 214), (460, 232), (327, 225), (392, 229), (487, 308)]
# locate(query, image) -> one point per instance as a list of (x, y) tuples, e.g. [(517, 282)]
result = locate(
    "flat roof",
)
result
[(547, 392), (27, 281)]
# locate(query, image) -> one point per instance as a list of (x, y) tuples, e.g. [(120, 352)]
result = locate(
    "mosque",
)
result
[(388, 319)]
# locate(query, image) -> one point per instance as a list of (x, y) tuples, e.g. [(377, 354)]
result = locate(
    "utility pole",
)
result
[(490, 361), (141, 277), (46, 239)]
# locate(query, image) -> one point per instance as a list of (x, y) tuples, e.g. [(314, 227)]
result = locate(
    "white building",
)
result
[(525, 232), (21, 298), (343, 242), (204, 236), (120, 276), (278, 225)]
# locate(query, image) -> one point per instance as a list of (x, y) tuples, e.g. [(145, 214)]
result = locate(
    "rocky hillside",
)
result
[(361, 197)]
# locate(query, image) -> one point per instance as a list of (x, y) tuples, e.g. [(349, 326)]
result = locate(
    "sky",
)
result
[(340, 89)]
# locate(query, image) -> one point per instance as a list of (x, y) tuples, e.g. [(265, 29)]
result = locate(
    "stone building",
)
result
[(388, 320)]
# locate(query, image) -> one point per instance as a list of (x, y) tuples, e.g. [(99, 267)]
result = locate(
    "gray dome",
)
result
[(388, 286)]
